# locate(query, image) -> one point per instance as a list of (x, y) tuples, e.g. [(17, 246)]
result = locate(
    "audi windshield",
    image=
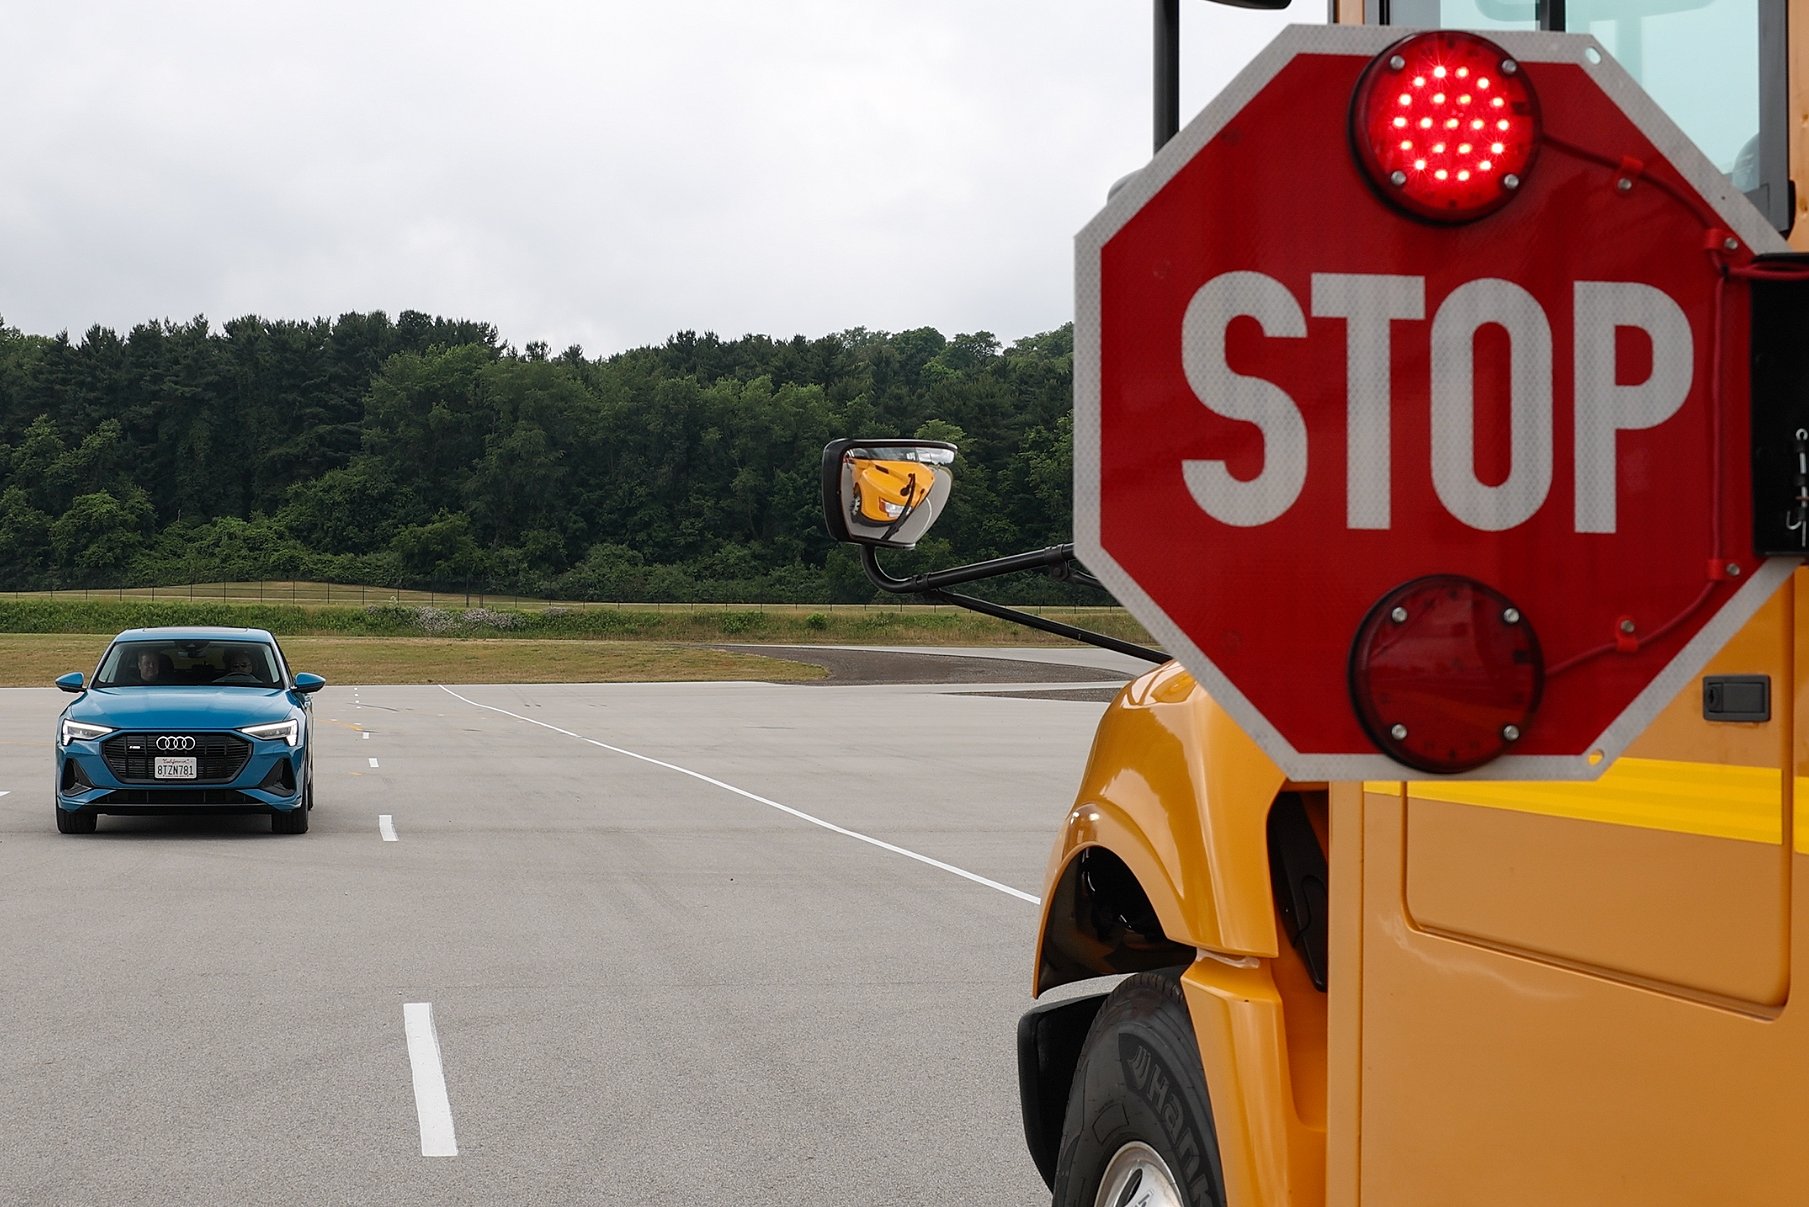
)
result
[(180, 663)]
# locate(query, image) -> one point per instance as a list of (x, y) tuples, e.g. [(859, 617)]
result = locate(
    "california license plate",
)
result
[(174, 769)]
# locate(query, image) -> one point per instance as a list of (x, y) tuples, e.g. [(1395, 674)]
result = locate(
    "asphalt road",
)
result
[(648, 979)]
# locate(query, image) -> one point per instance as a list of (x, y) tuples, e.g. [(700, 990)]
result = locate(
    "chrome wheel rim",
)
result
[(1137, 1176)]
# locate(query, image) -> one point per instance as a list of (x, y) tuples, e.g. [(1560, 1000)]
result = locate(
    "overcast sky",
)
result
[(601, 173)]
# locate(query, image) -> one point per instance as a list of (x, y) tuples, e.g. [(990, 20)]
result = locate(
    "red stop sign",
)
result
[(1303, 412)]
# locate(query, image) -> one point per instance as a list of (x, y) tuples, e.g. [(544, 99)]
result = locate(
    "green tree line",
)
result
[(425, 452)]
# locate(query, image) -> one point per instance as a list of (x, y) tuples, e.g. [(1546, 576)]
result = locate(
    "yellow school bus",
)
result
[(1446, 992)]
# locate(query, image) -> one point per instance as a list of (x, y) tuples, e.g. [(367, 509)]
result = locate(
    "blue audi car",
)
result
[(182, 720)]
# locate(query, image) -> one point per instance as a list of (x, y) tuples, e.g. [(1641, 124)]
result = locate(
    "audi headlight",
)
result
[(81, 731), (277, 731)]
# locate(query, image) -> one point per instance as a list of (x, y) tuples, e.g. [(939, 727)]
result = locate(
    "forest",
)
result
[(426, 452)]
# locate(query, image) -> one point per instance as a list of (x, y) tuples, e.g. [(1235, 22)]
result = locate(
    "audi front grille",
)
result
[(218, 756)]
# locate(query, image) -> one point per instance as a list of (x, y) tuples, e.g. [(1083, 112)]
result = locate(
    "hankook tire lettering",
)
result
[(1151, 1080)]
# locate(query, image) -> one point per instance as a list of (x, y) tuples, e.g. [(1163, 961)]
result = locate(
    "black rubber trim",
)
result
[(1298, 872), (1050, 1037)]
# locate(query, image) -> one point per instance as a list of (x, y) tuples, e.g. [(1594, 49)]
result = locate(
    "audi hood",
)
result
[(173, 707)]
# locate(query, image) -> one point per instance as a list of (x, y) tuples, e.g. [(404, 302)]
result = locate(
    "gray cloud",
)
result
[(597, 173)]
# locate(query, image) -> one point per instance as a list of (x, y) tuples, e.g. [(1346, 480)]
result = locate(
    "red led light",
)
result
[(1414, 97), (1445, 674)]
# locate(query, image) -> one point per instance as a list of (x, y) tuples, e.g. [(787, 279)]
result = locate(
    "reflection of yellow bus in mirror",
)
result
[(1453, 992), (883, 491)]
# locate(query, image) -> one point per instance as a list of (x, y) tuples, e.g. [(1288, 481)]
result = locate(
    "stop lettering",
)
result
[(1370, 306)]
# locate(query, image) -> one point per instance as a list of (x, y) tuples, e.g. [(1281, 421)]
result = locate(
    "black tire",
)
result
[(80, 821), (1138, 1108), (295, 821)]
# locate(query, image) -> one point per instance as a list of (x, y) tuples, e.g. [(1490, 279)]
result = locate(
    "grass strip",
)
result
[(34, 660), (917, 625)]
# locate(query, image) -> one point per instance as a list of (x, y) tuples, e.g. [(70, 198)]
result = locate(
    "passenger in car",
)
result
[(238, 663), (154, 667)]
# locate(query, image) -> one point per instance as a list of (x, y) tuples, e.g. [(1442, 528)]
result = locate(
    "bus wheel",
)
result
[(1139, 1127)]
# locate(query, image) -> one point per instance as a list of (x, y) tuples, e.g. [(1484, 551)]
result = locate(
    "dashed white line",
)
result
[(366, 735), (386, 826), (432, 1108), (373, 762), (758, 799)]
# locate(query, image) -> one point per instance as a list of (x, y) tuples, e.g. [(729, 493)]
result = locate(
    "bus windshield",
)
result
[(1699, 59)]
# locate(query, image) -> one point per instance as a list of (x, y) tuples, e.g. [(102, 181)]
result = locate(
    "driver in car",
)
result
[(239, 663)]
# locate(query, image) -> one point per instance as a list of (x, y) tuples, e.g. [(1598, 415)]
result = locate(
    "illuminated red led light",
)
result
[(1445, 125), (1445, 674)]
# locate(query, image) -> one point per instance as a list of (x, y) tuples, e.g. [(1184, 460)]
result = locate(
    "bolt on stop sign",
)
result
[(1410, 400)]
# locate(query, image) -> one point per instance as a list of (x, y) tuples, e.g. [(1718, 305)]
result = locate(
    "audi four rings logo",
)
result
[(176, 742)]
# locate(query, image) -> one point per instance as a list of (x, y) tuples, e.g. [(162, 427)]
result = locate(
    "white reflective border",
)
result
[(1367, 41)]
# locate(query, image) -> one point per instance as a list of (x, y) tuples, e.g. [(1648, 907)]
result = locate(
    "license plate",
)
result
[(174, 769)]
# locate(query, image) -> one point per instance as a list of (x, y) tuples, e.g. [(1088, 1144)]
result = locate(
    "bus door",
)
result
[(1580, 993)]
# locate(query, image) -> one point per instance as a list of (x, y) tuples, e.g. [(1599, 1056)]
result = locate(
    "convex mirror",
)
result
[(885, 492)]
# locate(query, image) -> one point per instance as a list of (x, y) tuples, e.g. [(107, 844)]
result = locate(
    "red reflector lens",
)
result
[(1445, 674), (1445, 125)]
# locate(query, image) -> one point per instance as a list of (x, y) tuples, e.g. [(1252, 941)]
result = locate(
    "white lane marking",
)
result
[(373, 762), (758, 799), (8, 792), (386, 826), (431, 1105), (367, 736)]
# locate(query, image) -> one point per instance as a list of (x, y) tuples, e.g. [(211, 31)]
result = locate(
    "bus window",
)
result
[(1697, 59), (1464, 14)]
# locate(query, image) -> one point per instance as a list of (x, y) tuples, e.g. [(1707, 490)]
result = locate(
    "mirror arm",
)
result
[(1058, 560), (1072, 573), (1031, 620)]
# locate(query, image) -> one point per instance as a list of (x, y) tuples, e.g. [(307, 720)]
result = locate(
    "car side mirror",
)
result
[(885, 492), (306, 683), (72, 682)]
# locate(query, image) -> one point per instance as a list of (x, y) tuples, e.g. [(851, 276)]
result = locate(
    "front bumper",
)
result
[(271, 780)]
